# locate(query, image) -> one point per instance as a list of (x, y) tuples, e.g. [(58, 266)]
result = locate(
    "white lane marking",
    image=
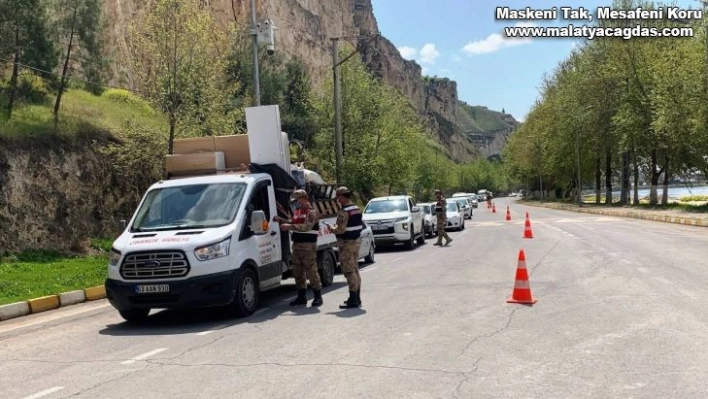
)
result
[(45, 319), (396, 260), (689, 294), (44, 393), (144, 356), (217, 328), (644, 270), (368, 269)]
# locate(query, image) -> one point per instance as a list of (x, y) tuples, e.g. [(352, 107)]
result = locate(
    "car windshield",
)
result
[(386, 206), (189, 207), (452, 206), (461, 201)]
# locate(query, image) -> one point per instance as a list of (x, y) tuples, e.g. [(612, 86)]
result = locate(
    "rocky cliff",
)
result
[(305, 30)]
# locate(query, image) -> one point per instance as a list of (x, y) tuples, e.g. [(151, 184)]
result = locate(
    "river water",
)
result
[(674, 192)]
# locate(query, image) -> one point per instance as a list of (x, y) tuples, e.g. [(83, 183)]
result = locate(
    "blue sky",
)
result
[(492, 72)]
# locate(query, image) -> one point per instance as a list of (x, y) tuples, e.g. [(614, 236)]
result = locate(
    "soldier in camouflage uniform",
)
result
[(305, 227), (441, 213), (348, 231)]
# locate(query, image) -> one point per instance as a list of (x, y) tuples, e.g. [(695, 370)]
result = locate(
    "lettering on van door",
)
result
[(265, 250)]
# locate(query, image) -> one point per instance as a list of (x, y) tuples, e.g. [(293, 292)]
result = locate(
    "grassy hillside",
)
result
[(81, 113), (474, 118)]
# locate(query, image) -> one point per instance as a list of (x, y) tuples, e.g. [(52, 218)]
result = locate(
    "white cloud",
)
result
[(496, 42), (424, 71), (407, 52), (428, 54)]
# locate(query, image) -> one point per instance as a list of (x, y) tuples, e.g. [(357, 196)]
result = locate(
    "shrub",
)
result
[(126, 97), (31, 89)]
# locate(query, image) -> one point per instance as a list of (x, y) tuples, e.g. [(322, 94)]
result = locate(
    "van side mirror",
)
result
[(122, 225), (415, 209), (259, 223)]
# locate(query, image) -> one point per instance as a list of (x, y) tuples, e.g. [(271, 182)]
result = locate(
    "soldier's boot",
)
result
[(318, 298), (358, 298), (351, 302), (448, 240), (439, 241), (301, 298)]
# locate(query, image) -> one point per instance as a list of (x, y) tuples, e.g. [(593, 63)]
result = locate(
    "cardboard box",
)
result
[(234, 147), (207, 161)]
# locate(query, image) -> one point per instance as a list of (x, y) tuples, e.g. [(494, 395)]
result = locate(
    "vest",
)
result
[(354, 224), (440, 206), (299, 217)]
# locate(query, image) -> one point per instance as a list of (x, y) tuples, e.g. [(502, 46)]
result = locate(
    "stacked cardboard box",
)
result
[(208, 155)]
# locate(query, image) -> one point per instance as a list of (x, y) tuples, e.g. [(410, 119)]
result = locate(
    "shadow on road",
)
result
[(273, 303)]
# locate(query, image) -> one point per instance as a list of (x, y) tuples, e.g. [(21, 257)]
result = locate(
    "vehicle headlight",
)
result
[(403, 219), (213, 251), (114, 257)]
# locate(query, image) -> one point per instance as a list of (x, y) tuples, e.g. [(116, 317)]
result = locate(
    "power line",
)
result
[(45, 72)]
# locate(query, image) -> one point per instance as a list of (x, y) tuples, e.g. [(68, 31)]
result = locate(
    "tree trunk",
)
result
[(598, 180), (653, 196), (15, 72), (665, 193), (624, 197), (636, 179), (62, 83), (608, 177), (171, 139)]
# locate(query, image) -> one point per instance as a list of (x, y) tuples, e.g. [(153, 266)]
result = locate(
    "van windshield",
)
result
[(189, 207)]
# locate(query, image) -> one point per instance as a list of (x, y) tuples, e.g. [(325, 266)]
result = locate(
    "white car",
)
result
[(395, 219), (455, 219), (465, 207), (430, 220)]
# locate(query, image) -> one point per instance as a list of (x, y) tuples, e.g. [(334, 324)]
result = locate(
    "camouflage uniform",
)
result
[(348, 231), (305, 229), (441, 213)]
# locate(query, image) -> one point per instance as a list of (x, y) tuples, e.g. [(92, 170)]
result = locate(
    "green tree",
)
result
[(79, 24), (179, 62), (25, 24)]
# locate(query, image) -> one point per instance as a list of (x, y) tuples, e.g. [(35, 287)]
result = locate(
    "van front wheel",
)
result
[(246, 299)]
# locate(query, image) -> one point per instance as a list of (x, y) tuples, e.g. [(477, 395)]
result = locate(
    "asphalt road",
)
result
[(620, 313)]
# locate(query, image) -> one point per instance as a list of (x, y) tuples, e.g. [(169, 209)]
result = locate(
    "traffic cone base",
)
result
[(494, 209), (522, 288), (508, 214)]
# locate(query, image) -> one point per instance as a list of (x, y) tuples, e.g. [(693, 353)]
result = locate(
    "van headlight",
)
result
[(114, 257), (403, 219), (213, 251)]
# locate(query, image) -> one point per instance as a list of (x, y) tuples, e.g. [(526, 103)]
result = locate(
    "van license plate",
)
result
[(152, 289)]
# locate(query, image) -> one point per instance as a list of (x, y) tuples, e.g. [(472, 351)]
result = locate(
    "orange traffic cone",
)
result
[(508, 215), (494, 209), (522, 289), (527, 229)]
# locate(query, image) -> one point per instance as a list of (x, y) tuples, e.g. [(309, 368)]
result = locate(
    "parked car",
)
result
[(465, 207), (430, 220), (395, 219), (455, 216), (471, 198)]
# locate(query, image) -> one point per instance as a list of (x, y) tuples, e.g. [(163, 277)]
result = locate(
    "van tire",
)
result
[(410, 244), (245, 300), (326, 266), (421, 238), (134, 315)]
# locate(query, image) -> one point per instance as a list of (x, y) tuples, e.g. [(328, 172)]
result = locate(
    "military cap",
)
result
[(437, 191), (297, 194), (342, 191)]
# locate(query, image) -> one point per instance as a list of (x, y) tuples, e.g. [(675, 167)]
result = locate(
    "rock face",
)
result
[(305, 30), (53, 199)]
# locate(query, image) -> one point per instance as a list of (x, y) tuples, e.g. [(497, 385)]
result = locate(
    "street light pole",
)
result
[(254, 35)]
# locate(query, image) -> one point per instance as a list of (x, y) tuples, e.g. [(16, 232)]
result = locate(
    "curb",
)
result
[(684, 220), (49, 302)]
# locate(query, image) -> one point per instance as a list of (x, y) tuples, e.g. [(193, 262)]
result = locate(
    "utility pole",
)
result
[(254, 35), (577, 156), (337, 94), (337, 109)]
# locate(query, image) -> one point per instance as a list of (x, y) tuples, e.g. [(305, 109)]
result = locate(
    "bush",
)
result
[(689, 198), (126, 97), (31, 89)]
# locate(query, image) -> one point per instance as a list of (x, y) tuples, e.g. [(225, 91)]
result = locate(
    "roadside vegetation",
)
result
[(617, 111)]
